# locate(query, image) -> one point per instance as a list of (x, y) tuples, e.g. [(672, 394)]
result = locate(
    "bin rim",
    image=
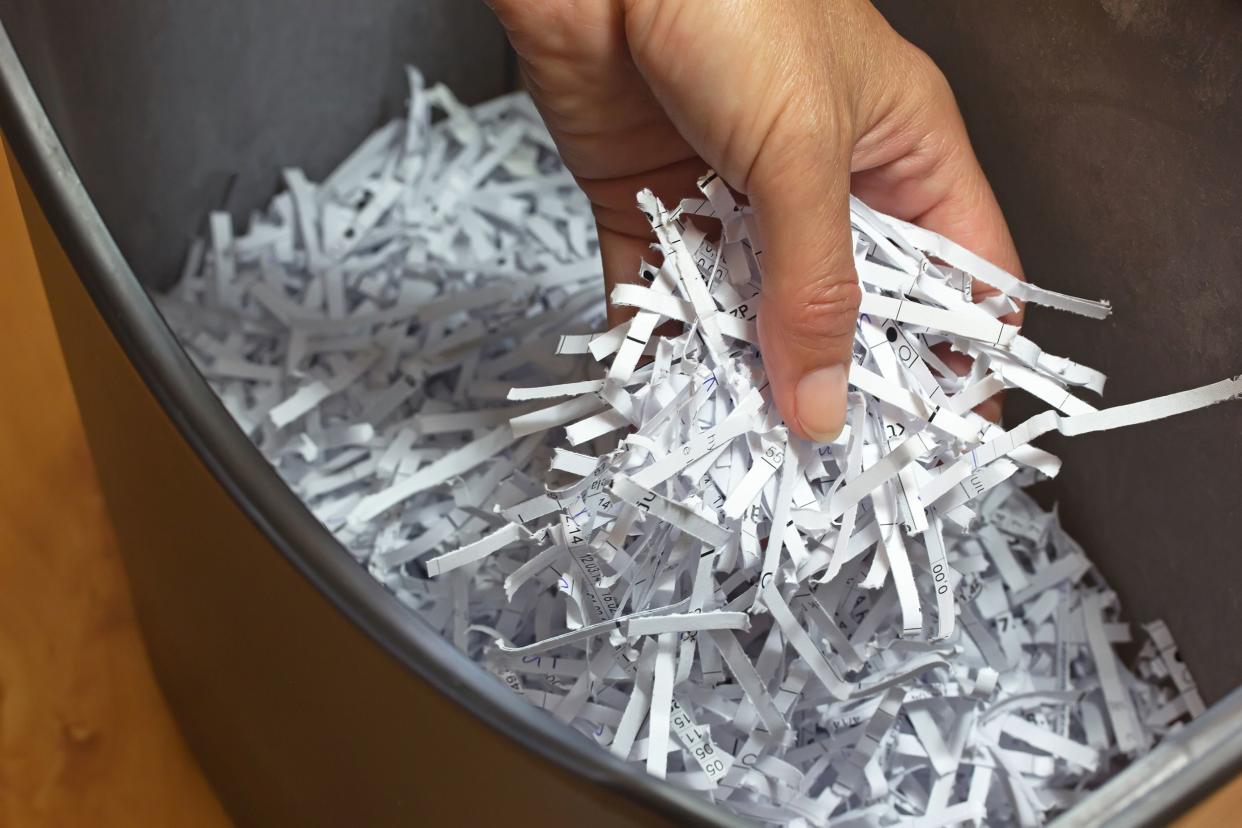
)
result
[(1167, 781), (264, 497)]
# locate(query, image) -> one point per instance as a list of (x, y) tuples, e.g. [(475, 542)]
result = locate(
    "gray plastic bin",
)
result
[(1110, 130)]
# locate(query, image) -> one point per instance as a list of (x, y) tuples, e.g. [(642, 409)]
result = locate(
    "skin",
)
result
[(796, 104)]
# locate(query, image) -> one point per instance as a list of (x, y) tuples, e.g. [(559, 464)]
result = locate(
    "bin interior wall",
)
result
[(1111, 133), (172, 109), (1109, 129)]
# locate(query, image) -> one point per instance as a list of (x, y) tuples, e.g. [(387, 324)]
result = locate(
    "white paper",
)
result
[(618, 524)]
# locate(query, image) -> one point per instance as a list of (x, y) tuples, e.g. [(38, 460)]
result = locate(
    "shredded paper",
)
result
[(619, 526)]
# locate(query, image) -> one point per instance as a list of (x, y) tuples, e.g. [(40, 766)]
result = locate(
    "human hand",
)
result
[(795, 103)]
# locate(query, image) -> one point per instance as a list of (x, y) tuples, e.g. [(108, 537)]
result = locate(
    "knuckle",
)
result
[(654, 27), (514, 10), (644, 19), (820, 310), (808, 124), (534, 27), (926, 76)]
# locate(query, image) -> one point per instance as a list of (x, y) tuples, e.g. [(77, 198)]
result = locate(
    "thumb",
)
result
[(810, 289)]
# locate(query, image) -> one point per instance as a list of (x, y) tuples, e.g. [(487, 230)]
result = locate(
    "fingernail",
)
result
[(819, 402)]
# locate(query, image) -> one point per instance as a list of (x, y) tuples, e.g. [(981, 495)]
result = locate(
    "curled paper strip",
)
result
[(878, 631)]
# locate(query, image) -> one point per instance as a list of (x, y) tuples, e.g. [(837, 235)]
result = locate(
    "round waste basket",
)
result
[(310, 695)]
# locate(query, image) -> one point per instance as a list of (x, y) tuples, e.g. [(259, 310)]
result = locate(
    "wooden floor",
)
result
[(85, 737)]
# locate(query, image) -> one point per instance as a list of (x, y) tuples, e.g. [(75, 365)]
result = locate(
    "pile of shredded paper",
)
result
[(619, 526)]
